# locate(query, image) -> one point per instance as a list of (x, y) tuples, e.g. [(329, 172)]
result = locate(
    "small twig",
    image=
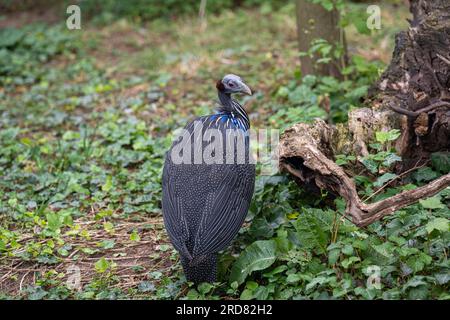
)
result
[(403, 111), (443, 58), (118, 258), (395, 178), (436, 105), (433, 106), (21, 281)]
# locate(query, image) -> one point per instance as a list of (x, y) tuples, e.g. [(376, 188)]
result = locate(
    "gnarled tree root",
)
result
[(302, 154)]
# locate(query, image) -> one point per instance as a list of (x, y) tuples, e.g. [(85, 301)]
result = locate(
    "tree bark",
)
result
[(416, 84), (412, 95), (315, 22)]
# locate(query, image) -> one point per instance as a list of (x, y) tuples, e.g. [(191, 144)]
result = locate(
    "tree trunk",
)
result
[(315, 22), (412, 95)]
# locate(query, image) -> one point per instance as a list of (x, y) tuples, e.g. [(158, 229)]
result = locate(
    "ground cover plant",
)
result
[(86, 116)]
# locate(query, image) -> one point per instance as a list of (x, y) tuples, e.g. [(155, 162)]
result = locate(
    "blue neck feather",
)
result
[(233, 108)]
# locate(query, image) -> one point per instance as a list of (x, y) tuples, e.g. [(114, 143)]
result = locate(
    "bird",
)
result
[(204, 203)]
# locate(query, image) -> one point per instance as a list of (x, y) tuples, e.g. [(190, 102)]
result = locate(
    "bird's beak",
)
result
[(245, 89)]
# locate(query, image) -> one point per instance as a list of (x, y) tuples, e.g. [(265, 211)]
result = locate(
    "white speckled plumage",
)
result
[(204, 205)]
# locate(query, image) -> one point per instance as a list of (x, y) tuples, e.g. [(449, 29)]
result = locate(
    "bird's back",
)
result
[(205, 204)]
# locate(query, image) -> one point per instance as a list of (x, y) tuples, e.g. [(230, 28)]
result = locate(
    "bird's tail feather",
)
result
[(201, 269)]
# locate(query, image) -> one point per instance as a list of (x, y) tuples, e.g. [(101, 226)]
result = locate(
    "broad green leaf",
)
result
[(432, 203), (275, 271), (440, 224), (442, 278), (108, 226), (313, 229), (104, 213), (247, 294), (357, 93), (71, 135), (349, 261), (425, 174), (258, 256), (347, 250), (261, 293), (333, 256), (146, 286), (293, 278), (391, 159), (193, 295), (107, 244), (108, 184), (205, 288), (315, 282), (418, 262), (53, 221), (88, 250), (134, 236), (102, 265), (415, 282), (385, 136), (367, 294), (370, 165), (384, 178), (418, 293), (441, 161)]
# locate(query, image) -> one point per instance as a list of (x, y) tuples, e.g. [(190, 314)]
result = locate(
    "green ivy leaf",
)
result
[(316, 281), (333, 256), (367, 294), (146, 286), (425, 174), (384, 178), (432, 203), (108, 184), (107, 244), (348, 250), (247, 294), (370, 165), (102, 265), (441, 161), (53, 221), (261, 293), (391, 159), (442, 278), (134, 236), (293, 278), (205, 288), (440, 224), (349, 261), (108, 226), (385, 136), (418, 262)]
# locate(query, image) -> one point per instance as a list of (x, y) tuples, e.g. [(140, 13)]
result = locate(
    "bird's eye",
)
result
[(231, 84)]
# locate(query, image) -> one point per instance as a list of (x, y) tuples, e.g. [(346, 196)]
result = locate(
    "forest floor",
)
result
[(83, 136)]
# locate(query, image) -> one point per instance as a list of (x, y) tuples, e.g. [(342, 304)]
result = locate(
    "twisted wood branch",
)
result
[(301, 155)]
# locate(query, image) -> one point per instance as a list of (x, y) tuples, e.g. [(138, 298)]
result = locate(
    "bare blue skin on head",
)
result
[(234, 84)]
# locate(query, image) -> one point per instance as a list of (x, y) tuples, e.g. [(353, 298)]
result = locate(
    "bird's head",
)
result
[(233, 84)]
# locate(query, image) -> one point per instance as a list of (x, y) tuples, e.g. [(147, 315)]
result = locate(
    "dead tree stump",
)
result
[(413, 95)]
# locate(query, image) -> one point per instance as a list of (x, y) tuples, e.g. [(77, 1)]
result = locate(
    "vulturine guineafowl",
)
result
[(208, 183)]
